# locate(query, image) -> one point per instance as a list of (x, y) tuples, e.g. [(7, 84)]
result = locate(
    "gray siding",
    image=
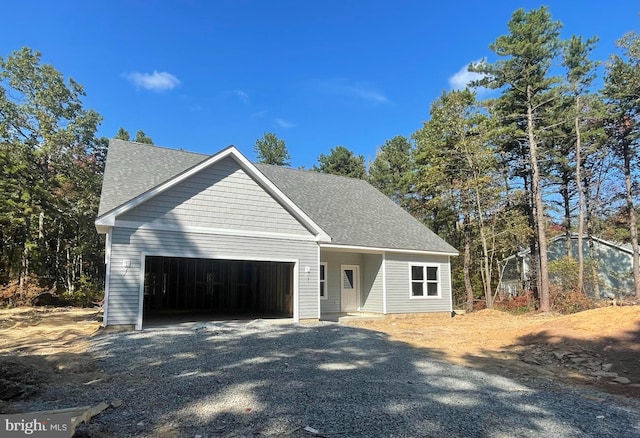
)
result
[(371, 291), (613, 265), (398, 292), (220, 196), (334, 259), (129, 244)]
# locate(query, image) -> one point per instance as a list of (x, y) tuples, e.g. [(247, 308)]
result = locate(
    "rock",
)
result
[(604, 374), (606, 366), (530, 360), (622, 380), (594, 366), (116, 403), (560, 354), (578, 360), (311, 430)]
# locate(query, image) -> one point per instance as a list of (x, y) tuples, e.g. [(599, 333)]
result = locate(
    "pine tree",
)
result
[(527, 90)]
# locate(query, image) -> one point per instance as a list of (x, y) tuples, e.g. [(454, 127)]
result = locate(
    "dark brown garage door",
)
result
[(176, 285)]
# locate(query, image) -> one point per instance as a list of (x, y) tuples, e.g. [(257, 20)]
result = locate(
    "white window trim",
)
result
[(425, 282), (326, 274)]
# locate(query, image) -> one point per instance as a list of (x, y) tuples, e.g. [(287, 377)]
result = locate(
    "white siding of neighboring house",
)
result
[(221, 196), (398, 284), (130, 245)]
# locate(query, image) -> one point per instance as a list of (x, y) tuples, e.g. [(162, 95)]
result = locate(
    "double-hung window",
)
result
[(425, 281), (323, 281)]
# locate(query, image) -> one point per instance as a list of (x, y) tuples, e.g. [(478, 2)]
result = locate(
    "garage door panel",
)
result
[(181, 285)]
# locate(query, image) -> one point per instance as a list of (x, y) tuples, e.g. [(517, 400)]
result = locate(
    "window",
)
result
[(323, 281), (425, 281)]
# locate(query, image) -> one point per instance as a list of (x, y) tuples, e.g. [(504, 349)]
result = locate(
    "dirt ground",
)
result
[(600, 347), (40, 346)]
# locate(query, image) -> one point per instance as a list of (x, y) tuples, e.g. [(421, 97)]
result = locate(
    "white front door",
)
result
[(350, 287)]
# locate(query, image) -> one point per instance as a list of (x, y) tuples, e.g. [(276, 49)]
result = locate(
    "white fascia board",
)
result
[(102, 228), (613, 245), (376, 250), (108, 219)]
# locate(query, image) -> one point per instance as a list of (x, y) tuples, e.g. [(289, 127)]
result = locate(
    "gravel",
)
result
[(259, 379)]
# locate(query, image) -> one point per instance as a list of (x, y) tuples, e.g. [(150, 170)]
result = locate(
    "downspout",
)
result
[(296, 292), (450, 287), (318, 292), (384, 283), (107, 260)]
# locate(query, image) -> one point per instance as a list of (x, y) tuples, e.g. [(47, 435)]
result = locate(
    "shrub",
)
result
[(36, 292), (518, 304), (564, 296), (87, 293), (569, 301), (33, 289)]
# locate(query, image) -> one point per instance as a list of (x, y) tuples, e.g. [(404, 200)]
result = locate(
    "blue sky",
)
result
[(201, 75)]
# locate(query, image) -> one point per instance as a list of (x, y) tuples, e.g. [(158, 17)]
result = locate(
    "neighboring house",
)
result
[(220, 235), (613, 263)]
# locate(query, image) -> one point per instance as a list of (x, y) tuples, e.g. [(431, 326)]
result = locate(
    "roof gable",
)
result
[(220, 197), (108, 217)]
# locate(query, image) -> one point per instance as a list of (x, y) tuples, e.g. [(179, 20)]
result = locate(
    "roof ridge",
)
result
[(167, 148), (312, 171)]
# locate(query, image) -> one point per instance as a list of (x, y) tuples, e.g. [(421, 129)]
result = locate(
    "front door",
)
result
[(350, 281)]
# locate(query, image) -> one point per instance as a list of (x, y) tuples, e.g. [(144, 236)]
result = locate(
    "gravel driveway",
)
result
[(259, 379)]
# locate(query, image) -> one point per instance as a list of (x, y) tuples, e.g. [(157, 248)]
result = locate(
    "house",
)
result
[(613, 264), (218, 234)]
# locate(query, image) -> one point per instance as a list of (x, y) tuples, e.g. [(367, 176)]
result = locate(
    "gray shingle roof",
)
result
[(353, 212), (349, 210), (134, 168)]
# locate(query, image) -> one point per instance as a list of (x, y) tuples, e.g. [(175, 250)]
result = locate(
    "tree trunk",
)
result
[(564, 191), (467, 265), (24, 260), (592, 252), (486, 261), (543, 272), (486, 267), (633, 222), (580, 285)]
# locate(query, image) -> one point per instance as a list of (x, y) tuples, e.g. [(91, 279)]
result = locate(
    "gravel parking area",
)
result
[(253, 379)]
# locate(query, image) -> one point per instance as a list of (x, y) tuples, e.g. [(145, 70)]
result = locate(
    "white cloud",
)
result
[(358, 90), (244, 97), (285, 123), (463, 77), (368, 94), (156, 81)]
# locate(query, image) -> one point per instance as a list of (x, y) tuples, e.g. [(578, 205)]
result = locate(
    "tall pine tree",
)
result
[(523, 75)]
